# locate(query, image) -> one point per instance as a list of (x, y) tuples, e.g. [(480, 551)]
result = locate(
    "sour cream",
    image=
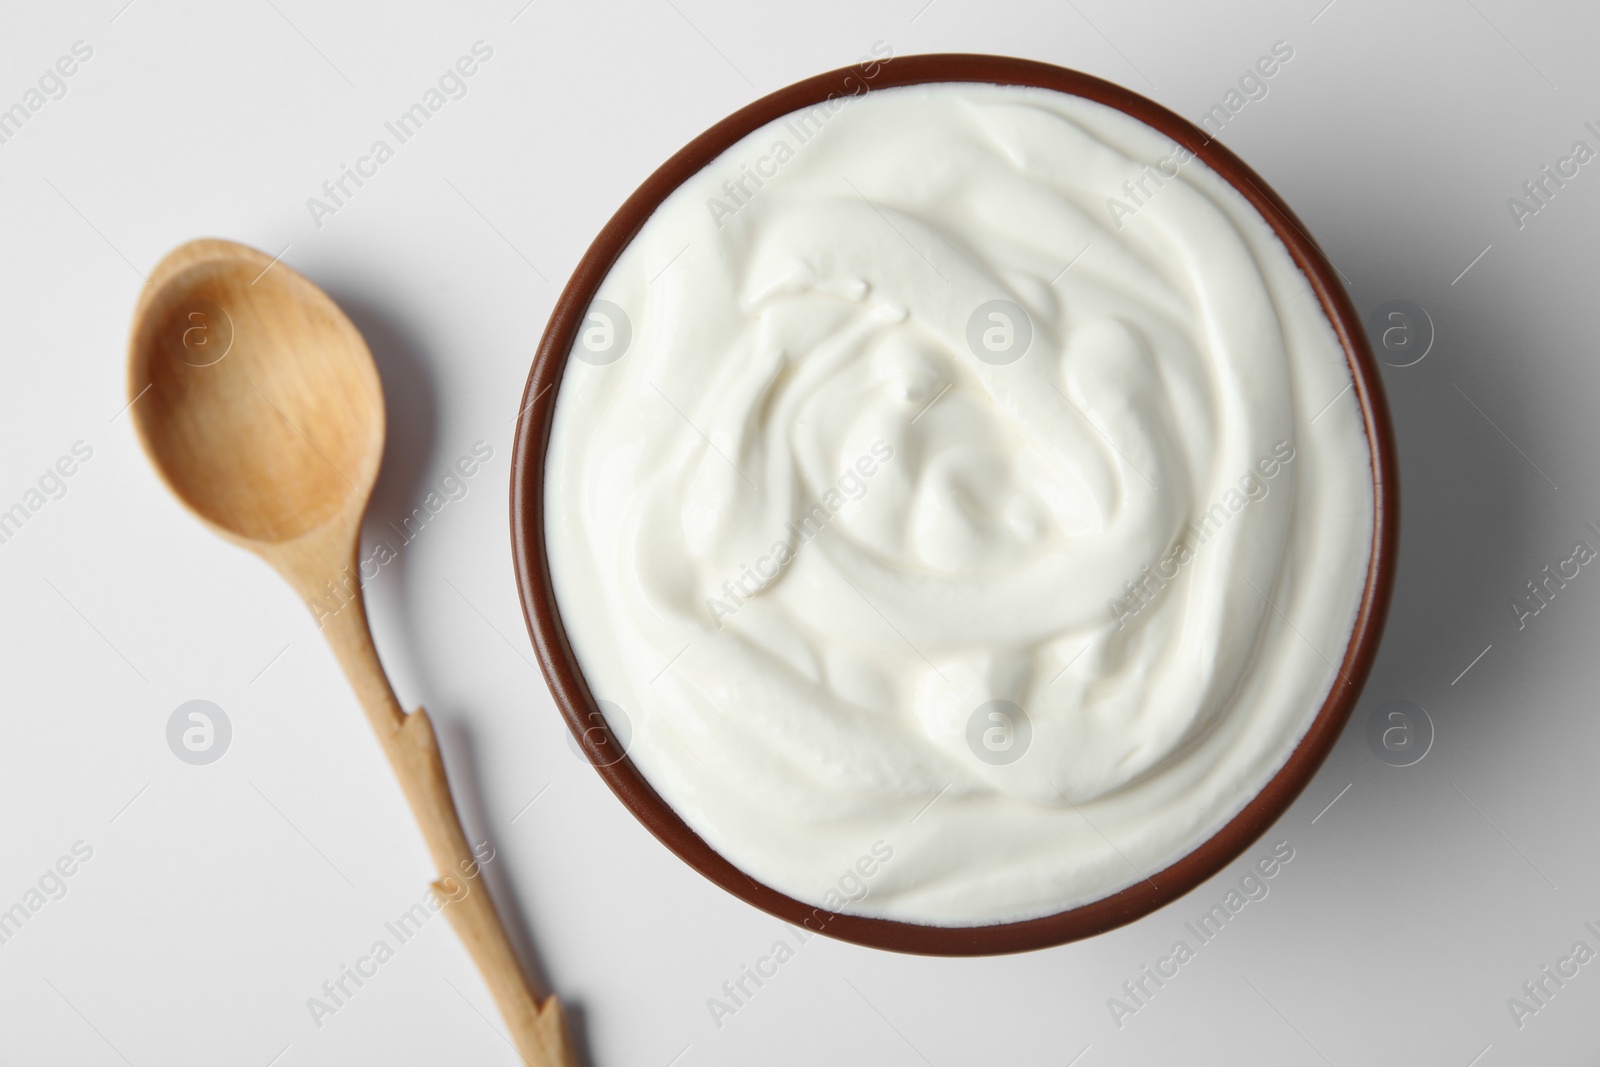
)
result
[(965, 470)]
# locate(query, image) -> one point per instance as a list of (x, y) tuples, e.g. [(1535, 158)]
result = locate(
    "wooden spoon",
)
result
[(260, 406)]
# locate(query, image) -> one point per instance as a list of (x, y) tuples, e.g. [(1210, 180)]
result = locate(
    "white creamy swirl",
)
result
[(810, 527)]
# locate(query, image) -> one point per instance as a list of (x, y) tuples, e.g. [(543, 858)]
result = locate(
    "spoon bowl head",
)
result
[(255, 397)]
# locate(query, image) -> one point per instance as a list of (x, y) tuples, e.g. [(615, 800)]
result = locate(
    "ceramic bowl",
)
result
[(572, 694)]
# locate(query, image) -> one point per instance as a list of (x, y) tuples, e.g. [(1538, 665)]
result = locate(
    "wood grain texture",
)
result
[(259, 404)]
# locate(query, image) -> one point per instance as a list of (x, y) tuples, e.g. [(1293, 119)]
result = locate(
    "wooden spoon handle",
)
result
[(538, 1030)]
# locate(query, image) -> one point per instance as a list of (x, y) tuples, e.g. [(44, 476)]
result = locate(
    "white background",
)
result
[(219, 898)]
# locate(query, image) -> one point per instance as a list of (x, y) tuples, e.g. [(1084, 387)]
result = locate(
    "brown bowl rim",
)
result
[(577, 704)]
